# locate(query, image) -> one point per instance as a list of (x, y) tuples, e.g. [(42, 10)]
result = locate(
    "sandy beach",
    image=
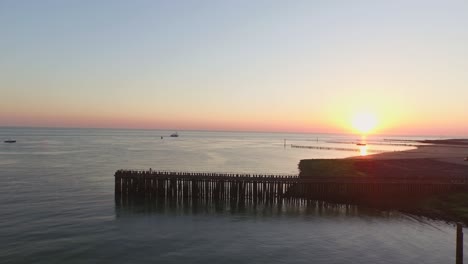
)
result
[(440, 158)]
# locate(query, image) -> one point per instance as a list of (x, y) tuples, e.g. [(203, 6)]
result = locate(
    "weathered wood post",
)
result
[(118, 186), (459, 258), (118, 189)]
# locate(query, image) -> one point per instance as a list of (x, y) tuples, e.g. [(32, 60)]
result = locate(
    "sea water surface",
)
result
[(57, 203)]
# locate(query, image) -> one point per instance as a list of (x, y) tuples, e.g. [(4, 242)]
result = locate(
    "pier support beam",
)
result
[(459, 258)]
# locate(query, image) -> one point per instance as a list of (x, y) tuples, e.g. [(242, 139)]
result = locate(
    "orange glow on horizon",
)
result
[(338, 121)]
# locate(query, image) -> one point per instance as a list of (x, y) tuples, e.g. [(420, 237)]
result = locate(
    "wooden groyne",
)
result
[(254, 188), (336, 148), (208, 186)]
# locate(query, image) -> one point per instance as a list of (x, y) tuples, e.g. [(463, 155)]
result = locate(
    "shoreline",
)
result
[(452, 151), (440, 159)]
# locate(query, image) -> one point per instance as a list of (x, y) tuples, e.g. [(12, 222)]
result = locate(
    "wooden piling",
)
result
[(459, 253)]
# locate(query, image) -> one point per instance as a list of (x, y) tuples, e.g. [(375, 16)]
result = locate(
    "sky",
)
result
[(297, 66)]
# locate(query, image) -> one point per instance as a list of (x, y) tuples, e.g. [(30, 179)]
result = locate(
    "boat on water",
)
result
[(361, 144), (9, 141), (174, 134)]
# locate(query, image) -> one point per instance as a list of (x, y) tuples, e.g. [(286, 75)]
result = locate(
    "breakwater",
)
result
[(336, 148), (248, 188), (205, 186)]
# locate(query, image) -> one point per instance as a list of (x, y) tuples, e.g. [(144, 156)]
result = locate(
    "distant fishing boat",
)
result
[(10, 141), (174, 134), (361, 144)]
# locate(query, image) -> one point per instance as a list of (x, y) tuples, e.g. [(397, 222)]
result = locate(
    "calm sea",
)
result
[(57, 203)]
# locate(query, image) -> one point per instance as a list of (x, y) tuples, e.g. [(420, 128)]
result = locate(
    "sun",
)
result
[(364, 122)]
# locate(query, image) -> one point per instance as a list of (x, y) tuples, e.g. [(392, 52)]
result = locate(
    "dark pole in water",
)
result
[(459, 259), (284, 143)]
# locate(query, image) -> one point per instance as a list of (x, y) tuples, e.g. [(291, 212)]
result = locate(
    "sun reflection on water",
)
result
[(363, 150)]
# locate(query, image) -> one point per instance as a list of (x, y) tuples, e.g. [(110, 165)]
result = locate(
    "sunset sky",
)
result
[(302, 66)]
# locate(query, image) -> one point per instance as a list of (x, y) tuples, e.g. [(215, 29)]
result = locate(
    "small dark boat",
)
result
[(174, 134), (361, 144), (10, 141)]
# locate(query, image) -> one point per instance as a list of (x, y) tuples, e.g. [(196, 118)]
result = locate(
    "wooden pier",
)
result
[(254, 188)]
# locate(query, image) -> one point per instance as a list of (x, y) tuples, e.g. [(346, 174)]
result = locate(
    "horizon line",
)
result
[(230, 131)]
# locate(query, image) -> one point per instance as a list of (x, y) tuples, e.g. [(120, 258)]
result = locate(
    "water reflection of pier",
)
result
[(286, 208)]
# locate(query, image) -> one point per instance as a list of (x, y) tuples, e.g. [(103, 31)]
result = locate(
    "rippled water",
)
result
[(57, 204)]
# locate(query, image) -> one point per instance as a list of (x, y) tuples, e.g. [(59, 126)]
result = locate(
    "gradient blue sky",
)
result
[(305, 66)]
